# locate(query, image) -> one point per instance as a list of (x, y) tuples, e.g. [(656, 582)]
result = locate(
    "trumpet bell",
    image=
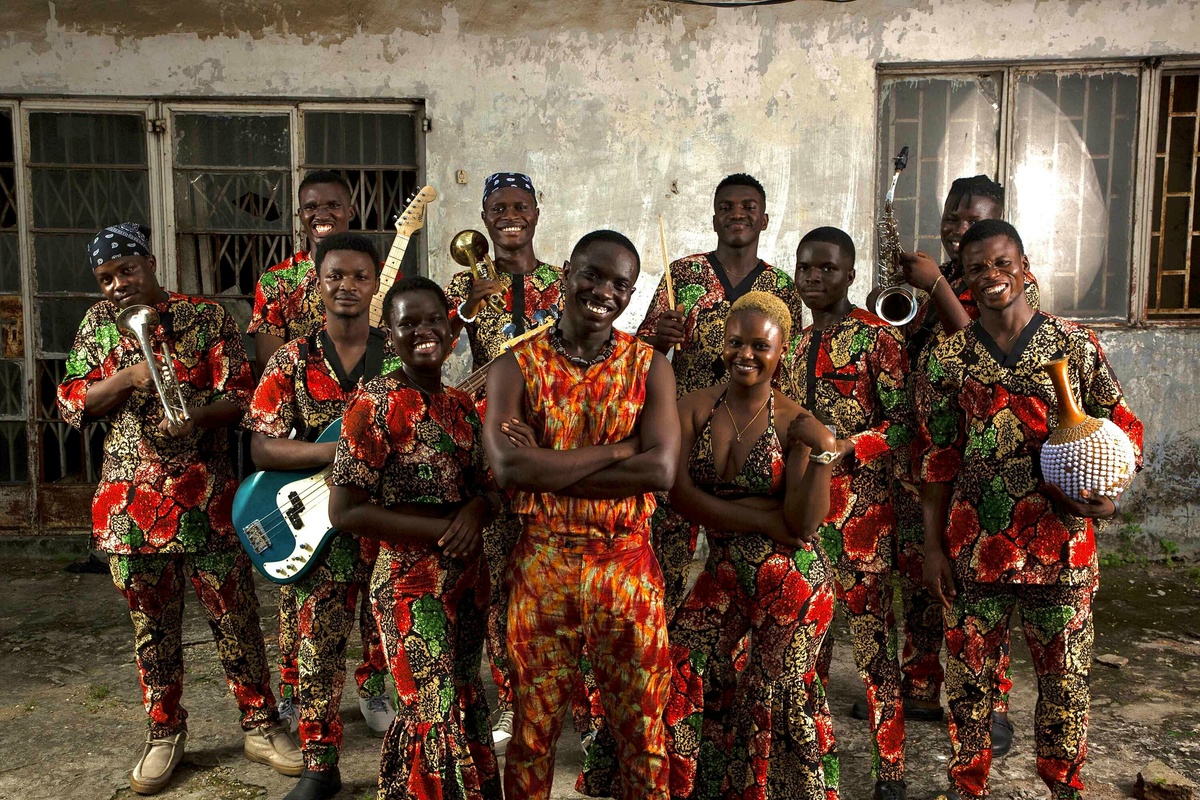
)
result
[(468, 247), (137, 319), (896, 305)]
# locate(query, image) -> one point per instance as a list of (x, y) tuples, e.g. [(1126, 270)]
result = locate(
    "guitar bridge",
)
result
[(257, 536)]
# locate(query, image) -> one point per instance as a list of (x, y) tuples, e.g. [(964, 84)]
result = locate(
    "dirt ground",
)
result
[(71, 719)]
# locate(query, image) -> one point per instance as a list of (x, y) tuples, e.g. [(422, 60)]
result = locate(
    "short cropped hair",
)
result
[(834, 236), (769, 306), (612, 237), (413, 283), (987, 229), (324, 176), (741, 179), (346, 240), (976, 186)]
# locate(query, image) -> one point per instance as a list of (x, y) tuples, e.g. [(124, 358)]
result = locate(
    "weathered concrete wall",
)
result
[(622, 109)]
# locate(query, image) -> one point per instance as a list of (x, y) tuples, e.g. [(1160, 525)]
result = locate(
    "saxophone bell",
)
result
[(470, 249), (895, 303), (138, 322)]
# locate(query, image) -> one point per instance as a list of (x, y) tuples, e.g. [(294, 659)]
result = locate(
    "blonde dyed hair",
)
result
[(770, 307)]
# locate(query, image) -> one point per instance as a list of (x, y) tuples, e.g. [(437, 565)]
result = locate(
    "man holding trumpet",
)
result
[(162, 508)]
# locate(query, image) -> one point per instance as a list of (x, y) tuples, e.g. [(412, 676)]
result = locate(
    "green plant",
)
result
[(1169, 548), (97, 691)]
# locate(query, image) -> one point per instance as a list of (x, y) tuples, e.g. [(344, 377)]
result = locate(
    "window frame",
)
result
[(1149, 71)]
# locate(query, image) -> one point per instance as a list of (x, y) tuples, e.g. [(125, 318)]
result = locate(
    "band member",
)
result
[(162, 509), (850, 368), (949, 306), (706, 285), (754, 469), (582, 428), (410, 471), (995, 536), (510, 214), (303, 389), (288, 306)]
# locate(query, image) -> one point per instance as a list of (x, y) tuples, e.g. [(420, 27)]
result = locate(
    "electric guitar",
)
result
[(282, 517)]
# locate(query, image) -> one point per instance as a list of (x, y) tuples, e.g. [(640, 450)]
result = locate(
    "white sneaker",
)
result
[(289, 715), (159, 758), (502, 732), (379, 714)]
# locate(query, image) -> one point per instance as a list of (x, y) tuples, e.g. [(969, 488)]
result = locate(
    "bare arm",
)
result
[(351, 510), (950, 312), (103, 396), (806, 503), (534, 469), (270, 452), (652, 469), (220, 414), (935, 506)]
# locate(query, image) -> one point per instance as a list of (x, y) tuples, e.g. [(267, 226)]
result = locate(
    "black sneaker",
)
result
[(890, 790), (314, 785), (1002, 735)]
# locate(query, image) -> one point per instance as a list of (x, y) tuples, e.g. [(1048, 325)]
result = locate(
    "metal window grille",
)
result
[(86, 170), (1173, 290), (377, 154), (951, 126), (14, 449)]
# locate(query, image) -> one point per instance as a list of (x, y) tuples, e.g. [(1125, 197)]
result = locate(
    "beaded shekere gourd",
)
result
[(1084, 452)]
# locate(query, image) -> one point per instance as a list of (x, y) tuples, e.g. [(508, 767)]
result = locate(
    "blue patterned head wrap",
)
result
[(507, 180), (119, 241)]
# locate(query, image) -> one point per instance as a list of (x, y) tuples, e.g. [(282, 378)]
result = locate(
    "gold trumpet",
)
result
[(138, 321), (470, 249), (895, 304)]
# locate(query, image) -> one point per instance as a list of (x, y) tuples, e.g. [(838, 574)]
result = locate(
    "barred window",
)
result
[(1173, 290)]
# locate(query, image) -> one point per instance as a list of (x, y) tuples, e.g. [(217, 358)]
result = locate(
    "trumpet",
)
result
[(470, 249), (138, 321), (895, 304)]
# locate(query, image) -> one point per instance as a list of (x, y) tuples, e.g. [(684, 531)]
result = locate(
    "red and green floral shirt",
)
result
[(303, 389), (572, 405), (403, 446), (491, 329), (703, 290), (982, 417), (287, 300), (854, 375), (157, 493)]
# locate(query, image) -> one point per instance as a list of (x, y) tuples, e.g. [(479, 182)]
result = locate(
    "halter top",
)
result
[(762, 472)]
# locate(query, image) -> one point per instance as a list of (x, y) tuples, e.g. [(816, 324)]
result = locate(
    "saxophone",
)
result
[(896, 303)]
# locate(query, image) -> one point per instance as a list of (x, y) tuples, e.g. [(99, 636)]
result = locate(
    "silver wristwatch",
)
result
[(824, 458)]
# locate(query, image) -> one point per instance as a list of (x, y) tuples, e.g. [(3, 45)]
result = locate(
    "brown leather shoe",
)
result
[(159, 758), (273, 745)]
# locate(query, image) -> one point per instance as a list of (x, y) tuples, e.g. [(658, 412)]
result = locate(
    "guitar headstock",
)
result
[(413, 217)]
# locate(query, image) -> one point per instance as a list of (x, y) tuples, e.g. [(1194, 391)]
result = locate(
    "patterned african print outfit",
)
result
[(303, 389), (923, 630), (162, 508), (853, 374), (487, 335), (287, 304), (768, 733), (584, 574), (703, 289), (403, 446), (982, 418)]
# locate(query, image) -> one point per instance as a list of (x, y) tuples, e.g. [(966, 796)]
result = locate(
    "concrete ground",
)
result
[(71, 719)]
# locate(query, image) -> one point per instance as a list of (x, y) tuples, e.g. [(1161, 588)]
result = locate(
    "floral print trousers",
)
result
[(572, 591), (153, 585), (770, 735), (1058, 628)]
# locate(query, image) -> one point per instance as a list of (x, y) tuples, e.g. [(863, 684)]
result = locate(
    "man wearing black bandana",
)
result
[(162, 509), (510, 214)]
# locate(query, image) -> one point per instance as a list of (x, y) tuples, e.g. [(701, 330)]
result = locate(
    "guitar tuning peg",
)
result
[(394, 218)]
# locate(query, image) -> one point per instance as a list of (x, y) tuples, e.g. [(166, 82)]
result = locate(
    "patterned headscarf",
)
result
[(119, 241), (507, 180)]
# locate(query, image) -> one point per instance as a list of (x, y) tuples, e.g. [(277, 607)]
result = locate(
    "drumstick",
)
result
[(662, 235)]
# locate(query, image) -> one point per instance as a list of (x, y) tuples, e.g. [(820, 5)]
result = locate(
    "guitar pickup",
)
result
[(293, 513), (257, 536)]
